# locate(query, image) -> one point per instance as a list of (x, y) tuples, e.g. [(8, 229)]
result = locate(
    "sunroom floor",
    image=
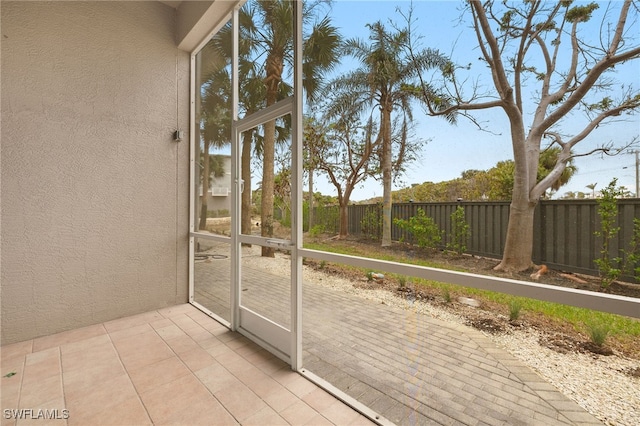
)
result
[(169, 366)]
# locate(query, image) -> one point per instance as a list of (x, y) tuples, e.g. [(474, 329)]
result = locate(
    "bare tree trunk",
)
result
[(310, 200), (268, 155), (518, 247), (385, 162), (344, 219), (245, 222), (205, 187), (274, 65)]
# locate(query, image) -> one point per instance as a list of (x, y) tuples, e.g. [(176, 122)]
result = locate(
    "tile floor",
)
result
[(167, 367)]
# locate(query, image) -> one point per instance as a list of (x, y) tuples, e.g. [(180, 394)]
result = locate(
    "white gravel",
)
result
[(597, 383)]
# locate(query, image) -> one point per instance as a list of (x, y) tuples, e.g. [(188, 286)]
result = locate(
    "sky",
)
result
[(454, 149)]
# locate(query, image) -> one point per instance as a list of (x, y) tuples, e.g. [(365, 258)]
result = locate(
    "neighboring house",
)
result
[(219, 194)]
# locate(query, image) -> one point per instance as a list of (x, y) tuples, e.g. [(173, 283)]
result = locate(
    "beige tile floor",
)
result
[(171, 366)]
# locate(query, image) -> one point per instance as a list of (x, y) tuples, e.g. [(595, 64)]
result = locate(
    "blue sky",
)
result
[(453, 149)]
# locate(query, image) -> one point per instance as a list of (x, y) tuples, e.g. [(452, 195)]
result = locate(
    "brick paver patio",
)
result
[(408, 367)]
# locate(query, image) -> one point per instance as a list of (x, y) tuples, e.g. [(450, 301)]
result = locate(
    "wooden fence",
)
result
[(564, 230)]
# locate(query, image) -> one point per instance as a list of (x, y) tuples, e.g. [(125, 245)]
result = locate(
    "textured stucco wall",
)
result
[(91, 93)]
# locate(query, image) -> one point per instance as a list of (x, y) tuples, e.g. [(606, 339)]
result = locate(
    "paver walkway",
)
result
[(410, 368)]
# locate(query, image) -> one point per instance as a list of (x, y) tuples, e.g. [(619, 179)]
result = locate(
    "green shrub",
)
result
[(316, 231), (424, 230), (460, 231), (329, 216), (514, 309), (283, 216), (446, 295), (402, 281), (598, 332), (371, 224), (608, 266)]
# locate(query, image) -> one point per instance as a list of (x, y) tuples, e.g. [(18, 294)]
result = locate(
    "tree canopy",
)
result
[(544, 69), (385, 79), (494, 184)]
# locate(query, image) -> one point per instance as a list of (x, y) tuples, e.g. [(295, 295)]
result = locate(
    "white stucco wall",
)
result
[(91, 93)]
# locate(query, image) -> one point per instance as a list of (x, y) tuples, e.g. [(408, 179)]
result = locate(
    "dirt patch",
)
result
[(632, 372), (563, 343), (490, 325)]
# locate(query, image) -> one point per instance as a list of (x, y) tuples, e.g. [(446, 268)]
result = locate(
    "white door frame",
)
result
[(287, 344)]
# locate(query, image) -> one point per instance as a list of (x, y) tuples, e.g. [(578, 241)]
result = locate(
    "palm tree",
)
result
[(272, 38), (266, 46), (252, 97), (216, 57), (386, 79), (214, 120)]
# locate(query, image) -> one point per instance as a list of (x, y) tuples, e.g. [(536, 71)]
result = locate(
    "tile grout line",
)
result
[(188, 368), (24, 366), (247, 385), (337, 400), (64, 395), (128, 373)]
